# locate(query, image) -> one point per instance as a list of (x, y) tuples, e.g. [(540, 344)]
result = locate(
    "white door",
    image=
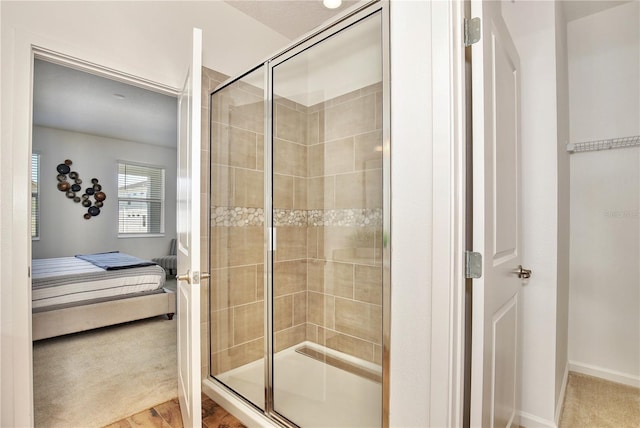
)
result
[(496, 220), (188, 296)]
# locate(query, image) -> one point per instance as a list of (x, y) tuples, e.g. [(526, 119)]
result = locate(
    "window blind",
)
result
[(35, 200), (140, 199)]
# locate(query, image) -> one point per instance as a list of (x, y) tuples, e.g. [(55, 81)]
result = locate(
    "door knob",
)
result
[(186, 277), (523, 273), (196, 277)]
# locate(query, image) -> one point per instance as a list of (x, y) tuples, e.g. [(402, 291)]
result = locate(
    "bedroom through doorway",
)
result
[(103, 181)]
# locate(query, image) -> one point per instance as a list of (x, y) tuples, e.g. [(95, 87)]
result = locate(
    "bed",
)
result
[(73, 294)]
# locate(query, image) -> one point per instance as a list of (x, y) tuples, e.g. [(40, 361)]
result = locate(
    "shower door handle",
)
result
[(523, 273)]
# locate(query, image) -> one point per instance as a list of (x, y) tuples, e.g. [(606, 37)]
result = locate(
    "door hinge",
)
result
[(472, 31), (472, 265)]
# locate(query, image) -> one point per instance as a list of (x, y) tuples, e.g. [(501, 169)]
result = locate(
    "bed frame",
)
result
[(73, 319)]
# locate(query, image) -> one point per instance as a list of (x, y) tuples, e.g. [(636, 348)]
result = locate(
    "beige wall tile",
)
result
[(339, 156), (375, 87), (233, 146), (362, 189), (222, 334), (368, 150), (291, 243), (352, 95), (321, 309), (260, 152), (300, 193), (340, 243), (320, 193), (300, 308), (338, 279), (248, 322), (289, 277), (282, 312), (312, 332), (359, 319), (247, 112), (316, 161), (349, 118), (312, 242), (235, 246), (331, 278), (350, 345), (282, 191), (313, 128), (248, 188), (237, 356), (290, 124), (352, 190), (290, 337), (260, 282), (221, 186), (289, 158), (368, 284), (236, 284), (373, 188), (315, 275), (282, 101)]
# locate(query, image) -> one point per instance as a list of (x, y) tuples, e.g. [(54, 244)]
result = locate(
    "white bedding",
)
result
[(69, 279)]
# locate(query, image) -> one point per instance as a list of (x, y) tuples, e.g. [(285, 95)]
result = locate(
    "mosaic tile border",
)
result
[(243, 216)]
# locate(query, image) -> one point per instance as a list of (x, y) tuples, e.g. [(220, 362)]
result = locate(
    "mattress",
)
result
[(66, 280)]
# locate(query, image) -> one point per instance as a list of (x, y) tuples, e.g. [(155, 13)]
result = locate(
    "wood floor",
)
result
[(167, 415)]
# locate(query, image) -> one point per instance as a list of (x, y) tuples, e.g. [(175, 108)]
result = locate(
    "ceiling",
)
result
[(66, 98), (291, 18)]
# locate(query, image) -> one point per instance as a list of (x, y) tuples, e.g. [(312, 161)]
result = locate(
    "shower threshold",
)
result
[(315, 387)]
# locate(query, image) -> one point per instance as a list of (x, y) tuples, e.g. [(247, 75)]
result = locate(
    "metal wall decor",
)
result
[(72, 189)]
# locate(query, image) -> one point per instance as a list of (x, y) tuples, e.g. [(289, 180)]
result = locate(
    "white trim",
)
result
[(16, 408), (563, 390), (98, 70), (246, 413), (604, 373), (529, 420)]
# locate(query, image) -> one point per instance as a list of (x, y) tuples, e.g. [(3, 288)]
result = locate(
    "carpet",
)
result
[(93, 378), (593, 402)]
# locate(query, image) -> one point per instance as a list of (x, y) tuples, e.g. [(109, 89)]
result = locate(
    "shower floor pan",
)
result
[(315, 387)]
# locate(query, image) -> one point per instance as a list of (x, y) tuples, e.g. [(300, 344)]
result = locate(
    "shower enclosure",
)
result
[(299, 236)]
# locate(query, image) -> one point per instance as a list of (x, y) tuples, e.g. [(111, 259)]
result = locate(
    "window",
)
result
[(35, 200), (140, 199)]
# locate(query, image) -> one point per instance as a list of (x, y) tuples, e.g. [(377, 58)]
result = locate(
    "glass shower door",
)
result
[(327, 207), (237, 305)]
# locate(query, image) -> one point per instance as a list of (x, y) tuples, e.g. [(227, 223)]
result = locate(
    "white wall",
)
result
[(563, 201), (149, 40), (533, 25), (63, 230), (604, 68)]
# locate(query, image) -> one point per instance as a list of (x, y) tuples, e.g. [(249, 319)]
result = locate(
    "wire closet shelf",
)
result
[(612, 143)]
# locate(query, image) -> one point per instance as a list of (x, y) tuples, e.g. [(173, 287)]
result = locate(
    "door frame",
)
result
[(17, 394)]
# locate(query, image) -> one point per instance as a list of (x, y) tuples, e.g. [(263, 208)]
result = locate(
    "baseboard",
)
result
[(563, 390), (603, 373), (528, 420)]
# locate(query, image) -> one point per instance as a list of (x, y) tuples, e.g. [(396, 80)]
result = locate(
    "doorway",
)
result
[(99, 122)]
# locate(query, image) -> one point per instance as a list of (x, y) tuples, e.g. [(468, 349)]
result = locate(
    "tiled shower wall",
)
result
[(327, 197), (345, 224)]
